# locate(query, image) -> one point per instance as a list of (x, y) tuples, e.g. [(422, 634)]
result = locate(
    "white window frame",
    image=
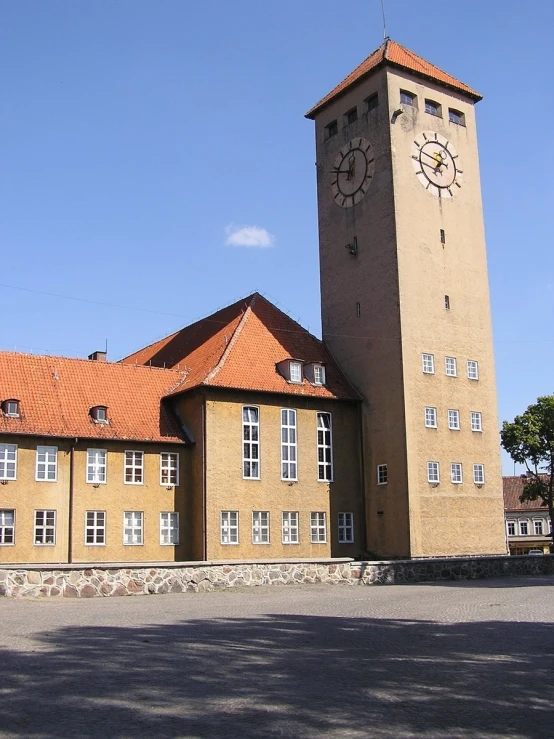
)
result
[(433, 472), (523, 522), (319, 374), (456, 473), (479, 473), (7, 528), (49, 524), (454, 419), (472, 369), (318, 527), (168, 470), (95, 466), (47, 463), (260, 527), (428, 364), (229, 527), (511, 522), (252, 429), (382, 474), (289, 527), (289, 445), (8, 461), (133, 463), (430, 417), (169, 528), (476, 421), (95, 527), (541, 527), (346, 528), (295, 367), (135, 526), (450, 366), (324, 465)]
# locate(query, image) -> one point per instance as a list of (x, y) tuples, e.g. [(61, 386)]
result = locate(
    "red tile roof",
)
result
[(239, 348), (513, 488), (56, 394), (395, 55)]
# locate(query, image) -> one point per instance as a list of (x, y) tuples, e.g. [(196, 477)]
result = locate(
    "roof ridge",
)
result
[(88, 361), (236, 333), (157, 341)]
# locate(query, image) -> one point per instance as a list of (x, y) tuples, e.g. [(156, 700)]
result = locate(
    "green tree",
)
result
[(529, 440)]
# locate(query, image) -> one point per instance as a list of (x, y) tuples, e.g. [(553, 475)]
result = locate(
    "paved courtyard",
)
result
[(464, 659)]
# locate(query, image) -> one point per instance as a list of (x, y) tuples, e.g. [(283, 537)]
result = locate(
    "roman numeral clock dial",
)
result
[(352, 172), (437, 164)]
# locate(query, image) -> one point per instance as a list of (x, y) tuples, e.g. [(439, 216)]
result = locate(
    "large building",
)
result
[(242, 435), (528, 524)]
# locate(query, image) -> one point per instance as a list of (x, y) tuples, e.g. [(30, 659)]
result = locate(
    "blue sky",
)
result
[(140, 136)]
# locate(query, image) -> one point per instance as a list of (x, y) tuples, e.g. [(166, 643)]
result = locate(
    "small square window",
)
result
[(430, 417), (428, 362), (11, 408), (454, 420), (372, 102), (476, 421), (351, 116), (456, 473), (99, 414), (433, 108), (450, 366), (295, 372), (331, 130), (479, 474), (382, 474), (472, 369), (407, 98), (454, 116), (433, 472)]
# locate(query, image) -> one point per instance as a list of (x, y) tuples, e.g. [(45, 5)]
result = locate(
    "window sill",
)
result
[(229, 543), (435, 115), (457, 123), (125, 544), (88, 544), (132, 483)]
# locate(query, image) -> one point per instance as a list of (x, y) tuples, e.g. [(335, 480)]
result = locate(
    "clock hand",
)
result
[(442, 163)]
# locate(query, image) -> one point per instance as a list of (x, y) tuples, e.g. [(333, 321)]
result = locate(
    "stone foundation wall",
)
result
[(90, 581)]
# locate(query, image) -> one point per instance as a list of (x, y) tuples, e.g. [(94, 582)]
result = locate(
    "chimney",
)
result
[(98, 357)]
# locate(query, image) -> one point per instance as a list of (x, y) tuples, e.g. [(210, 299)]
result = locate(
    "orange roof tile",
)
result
[(513, 488), (56, 394), (395, 55), (239, 348)]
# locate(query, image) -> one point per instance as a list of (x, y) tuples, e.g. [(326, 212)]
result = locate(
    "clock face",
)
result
[(437, 164), (352, 172)]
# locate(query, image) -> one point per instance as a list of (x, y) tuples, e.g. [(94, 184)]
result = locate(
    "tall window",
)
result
[(260, 527), (134, 468), (524, 528), (324, 450), (382, 474), (8, 461), (454, 420), (169, 468), (476, 423), (456, 472), (46, 463), (431, 417), (319, 374), (346, 528), (288, 445), (450, 365), (295, 372), (511, 526), (7, 526), (96, 465), (331, 129), (407, 98), (433, 472), (133, 527), (428, 362), (45, 527), (169, 528), (318, 527), (537, 526), (251, 443), (479, 474), (472, 369), (290, 527), (95, 528), (229, 527)]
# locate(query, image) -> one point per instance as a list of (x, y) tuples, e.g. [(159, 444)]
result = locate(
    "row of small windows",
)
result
[(475, 419), (432, 107), (295, 371), (44, 528), (289, 445), (351, 116), (522, 527), (433, 473), (12, 408), (290, 527), (46, 465), (450, 366)]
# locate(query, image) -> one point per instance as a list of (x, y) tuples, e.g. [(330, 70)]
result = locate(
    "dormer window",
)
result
[(292, 370), (295, 369), (319, 374), (11, 408), (99, 414)]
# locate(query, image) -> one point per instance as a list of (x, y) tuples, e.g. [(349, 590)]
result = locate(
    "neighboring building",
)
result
[(240, 436), (528, 525)]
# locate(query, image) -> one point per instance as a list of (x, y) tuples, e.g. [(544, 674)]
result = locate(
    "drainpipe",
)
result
[(362, 475), (204, 481), (70, 507)]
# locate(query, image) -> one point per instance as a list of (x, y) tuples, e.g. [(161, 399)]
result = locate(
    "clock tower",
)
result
[(405, 301)]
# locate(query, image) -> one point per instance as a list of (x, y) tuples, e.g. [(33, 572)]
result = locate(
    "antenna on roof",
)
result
[(385, 36)]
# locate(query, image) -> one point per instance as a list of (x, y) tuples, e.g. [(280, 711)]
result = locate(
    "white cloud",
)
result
[(248, 236)]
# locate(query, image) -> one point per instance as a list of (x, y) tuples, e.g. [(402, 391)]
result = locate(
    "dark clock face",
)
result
[(352, 172), (437, 164)]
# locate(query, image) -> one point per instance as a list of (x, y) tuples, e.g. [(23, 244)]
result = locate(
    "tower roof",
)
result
[(394, 55)]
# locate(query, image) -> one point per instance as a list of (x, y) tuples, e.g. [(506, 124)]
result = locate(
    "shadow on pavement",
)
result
[(283, 676)]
